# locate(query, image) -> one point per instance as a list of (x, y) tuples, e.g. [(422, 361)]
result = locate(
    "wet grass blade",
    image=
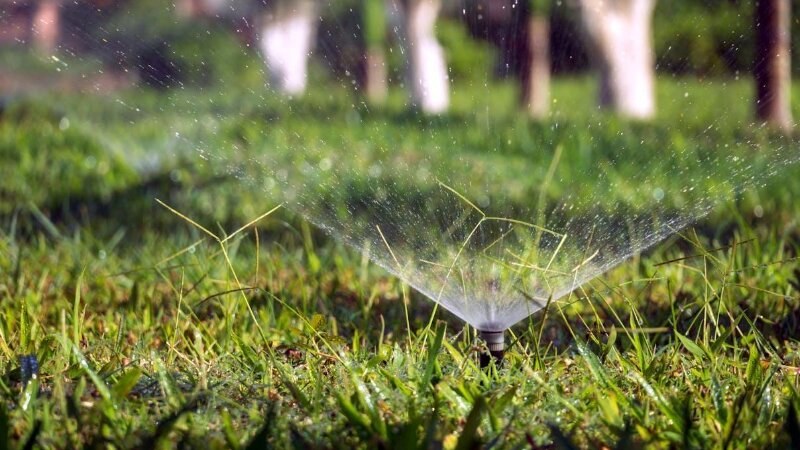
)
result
[(30, 440), (791, 425), (165, 425), (595, 366), (692, 347), (718, 397), (469, 436), (397, 383), (433, 352), (4, 428), (229, 432), (99, 384), (432, 426), (663, 404), (730, 428), (261, 439), (298, 395), (126, 383), (504, 400), (76, 312), (560, 440), (352, 414)]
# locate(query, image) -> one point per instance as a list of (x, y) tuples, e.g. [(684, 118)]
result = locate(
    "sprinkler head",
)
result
[(496, 342)]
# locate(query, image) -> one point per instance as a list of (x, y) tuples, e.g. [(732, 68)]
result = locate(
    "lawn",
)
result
[(189, 322)]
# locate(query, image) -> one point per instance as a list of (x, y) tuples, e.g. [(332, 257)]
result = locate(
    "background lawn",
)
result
[(147, 330)]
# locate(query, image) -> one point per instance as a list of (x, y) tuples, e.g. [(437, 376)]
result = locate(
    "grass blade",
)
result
[(560, 440), (4, 428), (352, 414), (469, 436), (693, 348), (433, 352), (30, 440), (126, 383), (261, 439), (791, 425), (99, 384), (165, 425)]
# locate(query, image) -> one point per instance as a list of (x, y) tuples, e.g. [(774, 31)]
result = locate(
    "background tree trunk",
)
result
[(375, 75), (772, 65), (374, 71), (427, 70), (46, 25), (535, 75), (619, 33), (190, 8), (286, 37)]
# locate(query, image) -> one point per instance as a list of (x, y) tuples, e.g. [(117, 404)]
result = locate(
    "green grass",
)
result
[(149, 331)]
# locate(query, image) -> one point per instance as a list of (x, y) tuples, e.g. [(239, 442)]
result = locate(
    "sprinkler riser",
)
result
[(496, 343)]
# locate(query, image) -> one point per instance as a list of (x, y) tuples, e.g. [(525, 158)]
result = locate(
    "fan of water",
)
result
[(440, 178)]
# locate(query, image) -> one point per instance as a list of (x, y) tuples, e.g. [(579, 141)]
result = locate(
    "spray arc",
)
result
[(482, 213)]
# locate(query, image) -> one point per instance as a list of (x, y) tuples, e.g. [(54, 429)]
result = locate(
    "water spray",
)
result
[(496, 342), (457, 226)]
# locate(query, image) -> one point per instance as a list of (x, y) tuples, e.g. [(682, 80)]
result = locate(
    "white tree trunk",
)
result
[(427, 70), (620, 35), (208, 8), (375, 76), (46, 25), (286, 38), (190, 8), (535, 76)]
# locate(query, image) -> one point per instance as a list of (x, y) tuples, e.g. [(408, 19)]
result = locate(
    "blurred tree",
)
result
[(520, 29), (158, 42), (286, 33), (374, 31), (505, 23), (46, 25), (535, 70), (192, 8), (284, 30), (772, 65), (427, 69), (619, 35)]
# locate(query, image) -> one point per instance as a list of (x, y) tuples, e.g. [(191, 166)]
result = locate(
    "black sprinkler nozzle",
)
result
[(496, 344)]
